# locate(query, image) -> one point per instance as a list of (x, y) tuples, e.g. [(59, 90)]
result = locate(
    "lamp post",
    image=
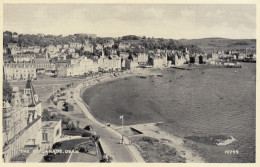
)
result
[(122, 117), (53, 89)]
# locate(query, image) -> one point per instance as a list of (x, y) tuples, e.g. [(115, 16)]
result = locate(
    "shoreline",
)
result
[(86, 110), (168, 139)]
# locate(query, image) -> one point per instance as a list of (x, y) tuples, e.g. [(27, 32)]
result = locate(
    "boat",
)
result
[(159, 75), (142, 77)]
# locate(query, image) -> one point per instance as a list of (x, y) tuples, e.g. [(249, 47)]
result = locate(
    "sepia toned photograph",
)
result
[(129, 83)]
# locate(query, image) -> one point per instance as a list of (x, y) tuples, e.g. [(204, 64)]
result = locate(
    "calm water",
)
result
[(198, 102)]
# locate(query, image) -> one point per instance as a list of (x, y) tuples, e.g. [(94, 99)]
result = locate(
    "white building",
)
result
[(179, 60), (51, 133), (88, 48), (22, 126), (109, 64), (124, 45), (24, 58), (75, 45), (157, 62), (99, 47), (65, 46), (19, 71), (142, 58), (81, 66)]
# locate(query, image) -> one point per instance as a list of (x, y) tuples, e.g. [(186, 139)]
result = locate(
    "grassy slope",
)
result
[(209, 44)]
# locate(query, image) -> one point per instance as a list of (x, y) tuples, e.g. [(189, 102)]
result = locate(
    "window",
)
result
[(44, 136), (57, 132)]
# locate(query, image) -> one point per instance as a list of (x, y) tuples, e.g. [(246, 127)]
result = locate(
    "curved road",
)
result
[(109, 137)]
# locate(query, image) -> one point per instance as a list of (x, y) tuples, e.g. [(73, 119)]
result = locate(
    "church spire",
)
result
[(31, 93)]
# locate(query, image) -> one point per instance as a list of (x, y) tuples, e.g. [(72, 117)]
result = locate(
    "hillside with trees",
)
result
[(138, 44)]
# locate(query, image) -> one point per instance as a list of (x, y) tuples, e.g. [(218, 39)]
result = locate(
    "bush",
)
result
[(57, 116), (65, 105), (83, 149), (71, 126), (150, 140), (65, 120), (51, 98)]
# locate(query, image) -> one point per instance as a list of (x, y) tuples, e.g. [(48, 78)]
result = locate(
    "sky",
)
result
[(150, 20)]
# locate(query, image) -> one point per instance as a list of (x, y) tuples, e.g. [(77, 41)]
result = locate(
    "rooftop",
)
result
[(20, 65), (49, 124), (22, 156)]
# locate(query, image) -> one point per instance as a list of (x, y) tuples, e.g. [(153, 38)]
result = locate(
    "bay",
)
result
[(199, 102)]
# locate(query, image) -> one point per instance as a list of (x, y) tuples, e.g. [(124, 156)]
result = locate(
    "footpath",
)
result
[(110, 138)]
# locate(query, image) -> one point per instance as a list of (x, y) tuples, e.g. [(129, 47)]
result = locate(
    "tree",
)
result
[(71, 126), (69, 56), (7, 91), (130, 57), (87, 53), (46, 116), (68, 119), (78, 123), (131, 37)]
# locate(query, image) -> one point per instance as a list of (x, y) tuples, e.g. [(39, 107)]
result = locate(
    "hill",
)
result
[(210, 44)]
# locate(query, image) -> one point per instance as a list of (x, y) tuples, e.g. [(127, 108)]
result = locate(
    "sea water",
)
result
[(200, 102)]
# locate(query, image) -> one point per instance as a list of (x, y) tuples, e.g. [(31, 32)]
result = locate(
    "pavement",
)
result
[(110, 138)]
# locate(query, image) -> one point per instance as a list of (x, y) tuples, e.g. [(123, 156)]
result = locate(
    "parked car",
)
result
[(49, 157), (106, 158), (56, 145), (88, 127)]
